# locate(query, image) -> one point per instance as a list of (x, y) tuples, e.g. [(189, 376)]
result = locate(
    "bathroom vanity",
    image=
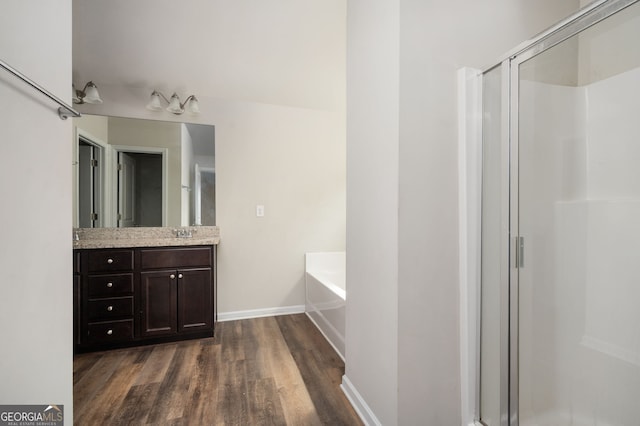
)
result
[(143, 285)]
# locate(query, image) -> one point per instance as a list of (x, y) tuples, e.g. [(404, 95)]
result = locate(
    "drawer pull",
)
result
[(172, 276), (179, 275), (109, 332), (109, 308), (109, 261), (109, 285)]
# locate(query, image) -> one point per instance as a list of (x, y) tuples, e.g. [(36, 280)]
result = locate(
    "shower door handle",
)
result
[(519, 252)]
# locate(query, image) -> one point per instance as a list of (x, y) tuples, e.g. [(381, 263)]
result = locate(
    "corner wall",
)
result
[(36, 309), (436, 39), (402, 350), (371, 374)]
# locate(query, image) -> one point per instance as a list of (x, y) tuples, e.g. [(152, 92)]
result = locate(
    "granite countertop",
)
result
[(90, 238)]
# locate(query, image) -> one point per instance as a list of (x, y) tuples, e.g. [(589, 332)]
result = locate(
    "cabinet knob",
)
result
[(109, 332), (172, 276), (179, 275), (109, 308), (109, 261), (109, 285)]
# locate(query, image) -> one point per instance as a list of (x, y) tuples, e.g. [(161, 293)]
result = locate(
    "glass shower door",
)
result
[(575, 294)]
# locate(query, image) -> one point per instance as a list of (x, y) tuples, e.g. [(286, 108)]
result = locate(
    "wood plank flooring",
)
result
[(264, 371)]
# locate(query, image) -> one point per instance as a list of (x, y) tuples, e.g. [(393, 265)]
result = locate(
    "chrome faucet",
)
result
[(183, 233)]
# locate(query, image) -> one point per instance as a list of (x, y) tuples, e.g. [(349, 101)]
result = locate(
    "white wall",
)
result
[(436, 39), (187, 177), (35, 179), (420, 47), (610, 49), (372, 205)]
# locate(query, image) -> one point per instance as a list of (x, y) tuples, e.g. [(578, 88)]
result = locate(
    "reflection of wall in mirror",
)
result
[(148, 189), (186, 176), (208, 191), (202, 197), (154, 134)]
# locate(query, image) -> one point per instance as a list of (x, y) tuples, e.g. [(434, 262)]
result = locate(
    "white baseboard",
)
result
[(259, 313), (358, 403)]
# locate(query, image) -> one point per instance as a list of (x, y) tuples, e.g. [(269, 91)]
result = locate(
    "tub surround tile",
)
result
[(88, 238)]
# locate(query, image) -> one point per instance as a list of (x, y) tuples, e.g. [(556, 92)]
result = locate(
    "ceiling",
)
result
[(287, 52)]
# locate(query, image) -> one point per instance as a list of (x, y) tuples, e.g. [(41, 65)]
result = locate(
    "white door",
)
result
[(126, 190), (85, 186), (90, 210)]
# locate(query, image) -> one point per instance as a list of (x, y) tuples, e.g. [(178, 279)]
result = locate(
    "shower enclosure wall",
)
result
[(559, 300)]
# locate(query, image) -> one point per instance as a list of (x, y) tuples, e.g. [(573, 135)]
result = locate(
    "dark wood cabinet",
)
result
[(175, 301), (158, 299), (125, 297), (106, 297), (194, 313)]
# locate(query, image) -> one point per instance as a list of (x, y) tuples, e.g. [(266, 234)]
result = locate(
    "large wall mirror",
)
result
[(134, 172)]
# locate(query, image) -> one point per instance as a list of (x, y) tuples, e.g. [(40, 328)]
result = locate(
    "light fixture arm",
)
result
[(155, 92), (84, 89), (187, 100), (81, 95)]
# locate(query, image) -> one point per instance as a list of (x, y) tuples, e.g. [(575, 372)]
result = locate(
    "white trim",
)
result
[(197, 196), (259, 313), (469, 223), (358, 403)]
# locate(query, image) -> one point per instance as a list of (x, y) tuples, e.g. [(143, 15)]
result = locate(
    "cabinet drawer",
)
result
[(109, 285), (110, 308), (112, 331), (110, 260), (175, 257)]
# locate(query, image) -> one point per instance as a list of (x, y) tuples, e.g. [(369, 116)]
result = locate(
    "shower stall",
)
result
[(559, 294)]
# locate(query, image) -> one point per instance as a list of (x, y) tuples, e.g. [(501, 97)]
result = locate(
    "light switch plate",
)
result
[(260, 210)]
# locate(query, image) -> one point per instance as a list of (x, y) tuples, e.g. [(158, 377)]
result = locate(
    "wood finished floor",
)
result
[(264, 371)]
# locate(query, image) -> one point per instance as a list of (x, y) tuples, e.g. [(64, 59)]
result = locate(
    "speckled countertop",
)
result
[(89, 238)]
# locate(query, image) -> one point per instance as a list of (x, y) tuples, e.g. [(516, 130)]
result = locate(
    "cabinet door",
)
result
[(195, 303), (158, 303)]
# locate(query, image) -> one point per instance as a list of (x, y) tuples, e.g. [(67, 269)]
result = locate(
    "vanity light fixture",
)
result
[(88, 95), (175, 106)]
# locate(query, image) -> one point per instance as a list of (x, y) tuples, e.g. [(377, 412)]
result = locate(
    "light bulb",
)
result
[(174, 105)]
